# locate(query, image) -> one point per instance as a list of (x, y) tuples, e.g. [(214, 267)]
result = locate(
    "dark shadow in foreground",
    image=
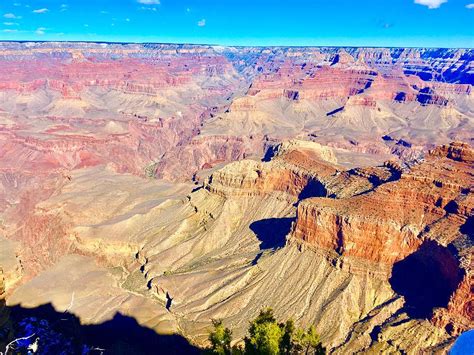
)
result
[(272, 232), (427, 279), (62, 333)]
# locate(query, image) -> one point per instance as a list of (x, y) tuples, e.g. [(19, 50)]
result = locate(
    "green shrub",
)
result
[(267, 337), (220, 339)]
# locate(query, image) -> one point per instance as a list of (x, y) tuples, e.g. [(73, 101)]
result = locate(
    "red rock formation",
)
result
[(386, 225), (430, 201), (459, 315), (456, 151)]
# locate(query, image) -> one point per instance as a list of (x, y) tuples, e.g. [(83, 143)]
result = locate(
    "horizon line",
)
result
[(225, 45)]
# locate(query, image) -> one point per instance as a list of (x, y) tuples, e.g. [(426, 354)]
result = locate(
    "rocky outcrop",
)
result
[(356, 232), (308, 148), (250, 178), (458, 316), (298, 168), (396, 212), (431, 201), (456, 151)]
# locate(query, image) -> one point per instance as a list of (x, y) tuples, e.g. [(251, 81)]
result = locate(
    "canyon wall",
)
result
[(177, 184)]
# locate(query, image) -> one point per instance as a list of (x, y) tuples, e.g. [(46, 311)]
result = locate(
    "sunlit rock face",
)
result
[(398, 212), (176, 184), (419, 226)]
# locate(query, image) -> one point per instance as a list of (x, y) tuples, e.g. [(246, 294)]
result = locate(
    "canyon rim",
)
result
[(151, 188)]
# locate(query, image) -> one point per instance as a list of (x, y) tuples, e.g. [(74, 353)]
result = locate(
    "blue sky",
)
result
[(431, 23)]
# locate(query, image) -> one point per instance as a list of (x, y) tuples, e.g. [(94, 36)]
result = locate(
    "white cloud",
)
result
[(9, 31), (40, 31), (202, 22), (41, 11), (12, 16), (10, 23), (432, 4), (470, 6), (63, 7), (127, 19), (149, 2), (148, 8)]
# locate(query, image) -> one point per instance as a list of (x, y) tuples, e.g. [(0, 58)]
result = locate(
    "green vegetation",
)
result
[(220, 339), (267, 336)]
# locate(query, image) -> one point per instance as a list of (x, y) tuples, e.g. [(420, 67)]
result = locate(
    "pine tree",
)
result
[(267, 337), (220, 339), (264, 335)]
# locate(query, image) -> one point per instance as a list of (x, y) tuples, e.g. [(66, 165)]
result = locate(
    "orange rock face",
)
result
[(430, 201), (363, 233), (387, 224), (459, 315)]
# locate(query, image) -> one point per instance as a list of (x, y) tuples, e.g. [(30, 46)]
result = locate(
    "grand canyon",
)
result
[(177, 184)]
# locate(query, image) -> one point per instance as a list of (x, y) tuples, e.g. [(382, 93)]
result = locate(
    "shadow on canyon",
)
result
[(468, 228), (426, 278), (314, 188), (62, 333), (272, 232)]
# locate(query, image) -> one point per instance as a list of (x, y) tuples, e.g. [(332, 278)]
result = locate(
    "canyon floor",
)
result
[(176, 184)]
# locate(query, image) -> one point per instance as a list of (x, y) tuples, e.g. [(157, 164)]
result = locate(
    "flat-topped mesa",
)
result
[(252, 178), (448, 167), (358, 227), (391, 222), (306, 148), (302, 169), (295, 166), (246, 103), (361, 100)]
